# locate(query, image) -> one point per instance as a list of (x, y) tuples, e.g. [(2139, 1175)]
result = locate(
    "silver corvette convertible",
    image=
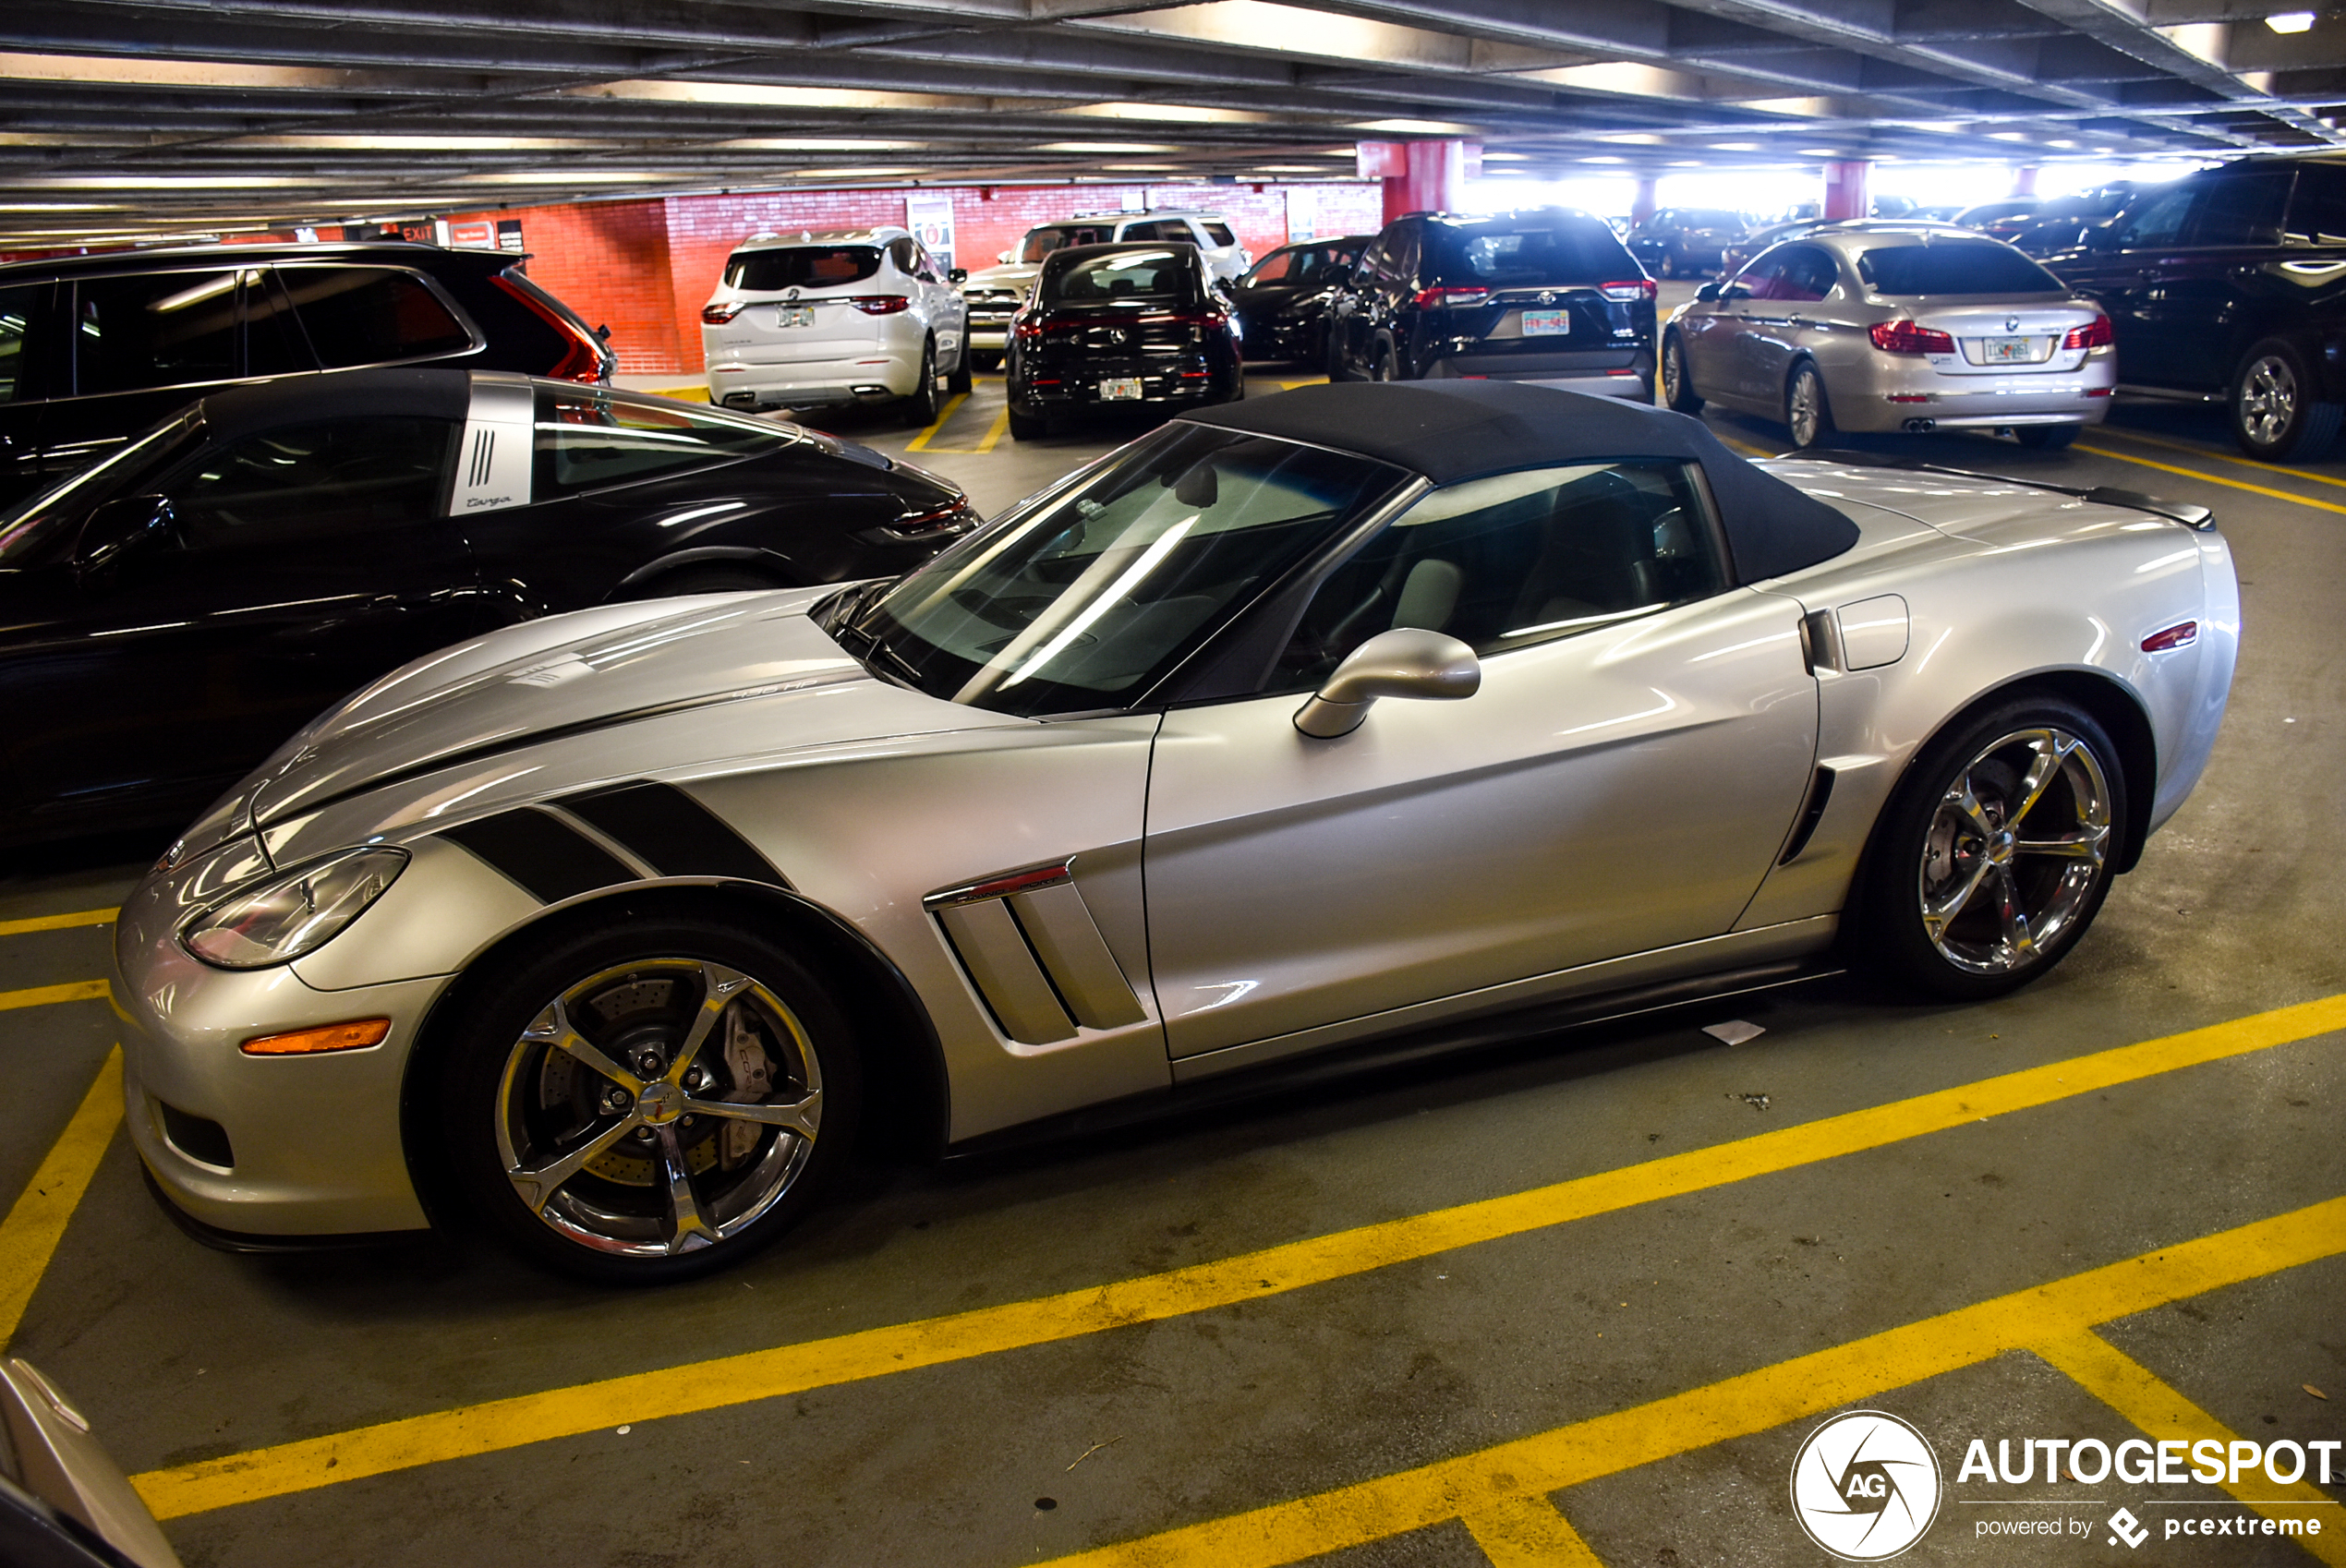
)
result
[(1359, 721)]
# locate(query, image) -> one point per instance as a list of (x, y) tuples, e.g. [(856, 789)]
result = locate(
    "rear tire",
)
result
[(921, 407), (1677, 386), (2274, 413), (1806, 413), (2045, 437)]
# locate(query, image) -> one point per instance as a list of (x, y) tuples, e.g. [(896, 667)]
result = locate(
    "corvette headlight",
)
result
[(293, 914)]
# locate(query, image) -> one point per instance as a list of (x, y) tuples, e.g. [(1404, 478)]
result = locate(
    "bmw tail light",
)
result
[(2173, 637), (2093, 334), (879, 304), (583, 352), (1449, 294), (1905, 337), (718, 314), (1630, 288)]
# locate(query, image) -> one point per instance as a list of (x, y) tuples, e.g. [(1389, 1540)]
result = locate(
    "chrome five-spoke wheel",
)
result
[(2016, 851)]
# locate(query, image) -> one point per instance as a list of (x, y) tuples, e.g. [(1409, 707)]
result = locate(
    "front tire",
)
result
[(2274, 413), (1677, 387), (1996, 851), (650, 1101)]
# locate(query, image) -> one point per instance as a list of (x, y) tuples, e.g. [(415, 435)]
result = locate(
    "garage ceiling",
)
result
[(180, 116)]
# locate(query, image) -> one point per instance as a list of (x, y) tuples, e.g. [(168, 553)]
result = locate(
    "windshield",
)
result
[(1957, 267), (1040, 243), (25, 531), (1093, 597)]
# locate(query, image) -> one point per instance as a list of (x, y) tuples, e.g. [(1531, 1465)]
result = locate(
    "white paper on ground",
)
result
[(1735, 1031)]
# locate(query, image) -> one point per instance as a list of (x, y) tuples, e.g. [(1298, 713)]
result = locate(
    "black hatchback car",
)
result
[(1548, 295), (94, 349), (2228, 287), (1116, 324), (169, 616), (1283, 300)]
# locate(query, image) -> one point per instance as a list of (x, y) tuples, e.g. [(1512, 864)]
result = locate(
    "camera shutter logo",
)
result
[(1866, 1486)]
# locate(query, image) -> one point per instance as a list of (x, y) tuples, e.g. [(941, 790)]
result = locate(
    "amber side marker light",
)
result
[(325, 1037)]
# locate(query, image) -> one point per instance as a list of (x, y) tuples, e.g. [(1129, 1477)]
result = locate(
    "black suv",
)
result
[(94, 349), (1547, 295), (2230, 286)]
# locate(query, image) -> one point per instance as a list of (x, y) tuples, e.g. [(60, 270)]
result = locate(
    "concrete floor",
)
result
[(1040, 1450)]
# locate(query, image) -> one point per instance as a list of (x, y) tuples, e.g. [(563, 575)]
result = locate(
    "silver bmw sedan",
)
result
[(1870, 330)]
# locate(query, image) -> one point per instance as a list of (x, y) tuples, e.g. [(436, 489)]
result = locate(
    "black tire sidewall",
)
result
[(500, 1005), (1884, 925), (921, 407)]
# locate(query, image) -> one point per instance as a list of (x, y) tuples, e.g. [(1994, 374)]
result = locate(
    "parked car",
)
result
[(1736, 257), (1870, 327), (2060, 225), (170, 615), (1429, 707), (1547, 294), (2001, 219), (842, 318), (1680, 241), (64, 1503), (999, 291), (2228, 287), (94, 349), (1117, 324), (1283, 301)]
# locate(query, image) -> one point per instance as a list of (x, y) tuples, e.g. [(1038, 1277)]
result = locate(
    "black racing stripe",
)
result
[(674, 833), (551, 859)]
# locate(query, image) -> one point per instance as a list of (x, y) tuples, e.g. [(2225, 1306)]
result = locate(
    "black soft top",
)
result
[(1454, 431), (416, 391)]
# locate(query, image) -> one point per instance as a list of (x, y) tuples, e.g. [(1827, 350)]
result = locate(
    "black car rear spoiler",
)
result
[(2183, 511)]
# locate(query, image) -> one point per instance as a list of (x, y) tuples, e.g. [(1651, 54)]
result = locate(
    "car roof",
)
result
[(1454, 431), (1122, 216), (381, 253), (425, 392), (1060, 257), (878, 234)]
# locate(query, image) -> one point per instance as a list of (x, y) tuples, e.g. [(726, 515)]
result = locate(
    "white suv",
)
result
[(996, 294), (842, 317)]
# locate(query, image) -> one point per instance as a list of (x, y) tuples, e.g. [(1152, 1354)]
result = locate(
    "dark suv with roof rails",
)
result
[(2228, 287), (1548, 295), (94, 349)]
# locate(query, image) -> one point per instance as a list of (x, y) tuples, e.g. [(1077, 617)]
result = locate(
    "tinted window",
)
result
[(370, 315), (30, 530), (1159, 275), (1168, 231), (273, 344), (1040, 243), (18, 307), (1954, 267), (161, 330), (340, 476), (1277, 268), (1220, 233), (2318, 212), (1518, 558), (1508, 251), (2243, 209), (588, 441), (2160, 220), (1712, 218), (812, 266)]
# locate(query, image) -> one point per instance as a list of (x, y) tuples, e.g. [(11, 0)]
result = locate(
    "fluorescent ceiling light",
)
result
[(844, 174), (1186, 112), (816, 144), (1632, 138), (65, 207), (2290, 22), (171, 73), (1415, 127), (766, 95), (1507, 157), (1605, 158), (1289, 169), (1140, 168), (1106, 147), (2007, 136), (391, 142), (167, 182), (1734, 147), (1822, 152), (564, 176), (1813, 108)]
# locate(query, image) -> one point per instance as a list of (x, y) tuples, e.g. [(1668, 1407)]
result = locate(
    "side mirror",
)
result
[(1404, 662), (957, 274), (602, 334), (1708, 291), (1003, 257), (120, 527)]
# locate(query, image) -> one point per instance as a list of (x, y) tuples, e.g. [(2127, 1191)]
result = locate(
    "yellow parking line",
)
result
[(57, 922), (920, 442), (766, 1374), (1528, 1532), (42, 995), (2213, 478), (29, 1235), (682, 394), (1733, 1407), (994, 431), (1743, 447), (2126, 433), (2135, 1391)]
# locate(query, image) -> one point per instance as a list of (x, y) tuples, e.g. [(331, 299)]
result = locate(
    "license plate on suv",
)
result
[(1120, 388), (1547, 323), (794, 316), (2008, 351)]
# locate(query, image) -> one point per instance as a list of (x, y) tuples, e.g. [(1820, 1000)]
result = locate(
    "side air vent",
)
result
[(1031, 948), (1812, 811)]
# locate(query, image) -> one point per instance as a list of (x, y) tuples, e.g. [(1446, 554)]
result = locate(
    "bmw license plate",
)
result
[(1120, 388), (2008, 351), (1547, 323), (794, 316)]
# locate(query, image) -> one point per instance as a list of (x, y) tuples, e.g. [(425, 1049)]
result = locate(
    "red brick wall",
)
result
[(608, 260)]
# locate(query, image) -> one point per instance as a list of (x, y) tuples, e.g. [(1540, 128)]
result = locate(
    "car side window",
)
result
[(315, 481), (1220, 233), (154, 330), (1764, 277), (1808, 276), (20, 310), (905, 259), (1518, 560), (2243, 210), (589, 441), (1374, 268), (371, 316), (2317, 209), (2159, 222), (273, 344)]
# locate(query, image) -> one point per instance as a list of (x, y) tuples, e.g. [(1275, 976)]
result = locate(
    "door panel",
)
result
[(1606, 793)]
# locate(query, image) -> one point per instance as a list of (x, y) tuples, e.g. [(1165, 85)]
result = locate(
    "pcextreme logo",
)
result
[(1865, 1486)]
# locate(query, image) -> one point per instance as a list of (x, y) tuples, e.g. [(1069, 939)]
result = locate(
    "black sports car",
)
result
[(169, 616), (1283, 300), (1114, 324)]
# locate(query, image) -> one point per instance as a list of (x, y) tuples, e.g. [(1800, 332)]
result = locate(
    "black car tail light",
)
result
[(879, 304), (1630, 288), (582, 353), (1449, 294), (718, 315)]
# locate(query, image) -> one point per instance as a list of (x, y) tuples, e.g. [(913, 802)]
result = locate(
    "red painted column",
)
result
[(2023, 180), (1847, 192), (1646, 203), (1419, 177)]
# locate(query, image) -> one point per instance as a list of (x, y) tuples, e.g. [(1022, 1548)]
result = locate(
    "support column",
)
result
[(1647, 203), (1848, 192), (2024, 181), (1420, 176)]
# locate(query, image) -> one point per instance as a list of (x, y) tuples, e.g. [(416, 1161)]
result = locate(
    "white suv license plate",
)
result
[(794, 316), (1120, 388), (2008, 351), (1547, 323)]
